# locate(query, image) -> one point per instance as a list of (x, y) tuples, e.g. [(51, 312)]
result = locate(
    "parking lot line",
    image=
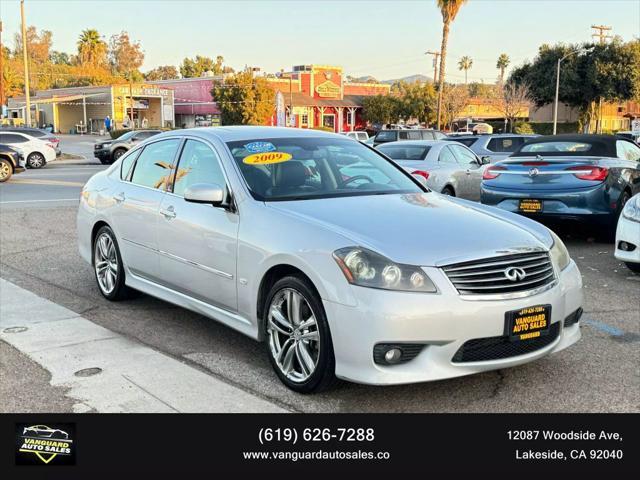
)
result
[(131, 377)]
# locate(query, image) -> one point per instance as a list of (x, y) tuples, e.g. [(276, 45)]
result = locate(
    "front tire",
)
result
[(36, 160), (108, 266), (6, 170), (634, 267), (448, 191), (298, 338), (117, 154)]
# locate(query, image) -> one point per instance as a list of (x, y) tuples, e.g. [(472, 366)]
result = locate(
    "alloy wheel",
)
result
[(36, 160), (106, 263), (294, 340), (117, 154), (5, 171)]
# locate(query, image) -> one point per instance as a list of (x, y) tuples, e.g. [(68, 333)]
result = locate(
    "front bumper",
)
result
[(102, 153), (443, 322), (586, 203), (628, 231)]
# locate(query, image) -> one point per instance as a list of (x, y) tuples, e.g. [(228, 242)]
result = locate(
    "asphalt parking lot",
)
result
[(38, 253)]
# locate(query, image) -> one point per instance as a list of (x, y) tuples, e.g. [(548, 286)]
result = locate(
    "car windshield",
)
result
[(316, 167), (126, 136), (386, 136), (409, 152)]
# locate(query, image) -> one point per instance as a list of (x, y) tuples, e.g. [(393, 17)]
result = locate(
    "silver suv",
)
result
[(494, 147)]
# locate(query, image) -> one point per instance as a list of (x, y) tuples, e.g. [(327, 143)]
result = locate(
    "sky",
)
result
[(383, 38)]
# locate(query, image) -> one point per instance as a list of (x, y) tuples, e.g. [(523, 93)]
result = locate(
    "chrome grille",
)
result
[(491, 275)]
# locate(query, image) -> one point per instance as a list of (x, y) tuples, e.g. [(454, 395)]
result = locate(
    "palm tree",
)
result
[(503, 63), (449, 9), (91, 48), (465, 64)]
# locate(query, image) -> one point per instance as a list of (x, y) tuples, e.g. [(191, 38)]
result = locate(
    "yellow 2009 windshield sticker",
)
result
[(267, 158)]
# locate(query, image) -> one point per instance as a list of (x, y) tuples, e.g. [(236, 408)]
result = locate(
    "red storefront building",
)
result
[(320, 97)]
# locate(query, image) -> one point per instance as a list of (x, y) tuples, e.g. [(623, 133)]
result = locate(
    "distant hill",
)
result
[(409, 79)]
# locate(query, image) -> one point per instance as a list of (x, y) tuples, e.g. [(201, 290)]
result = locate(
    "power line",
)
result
[(602, 34)]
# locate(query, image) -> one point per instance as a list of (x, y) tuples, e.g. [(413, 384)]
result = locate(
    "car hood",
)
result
[(425, 229)]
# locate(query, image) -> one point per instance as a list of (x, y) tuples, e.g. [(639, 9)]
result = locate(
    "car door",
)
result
[(449, 172), (471, 166), (136, 205), (198, 242)]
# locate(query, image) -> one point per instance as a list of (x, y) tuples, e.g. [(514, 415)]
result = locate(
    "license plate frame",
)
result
[(526, 324), (530, 205)]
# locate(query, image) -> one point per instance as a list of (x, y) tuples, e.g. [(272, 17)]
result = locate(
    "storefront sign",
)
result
[(328, 89)]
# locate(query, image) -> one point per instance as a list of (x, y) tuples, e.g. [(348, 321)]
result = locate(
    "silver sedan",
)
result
[(447, 167), (334, 256)]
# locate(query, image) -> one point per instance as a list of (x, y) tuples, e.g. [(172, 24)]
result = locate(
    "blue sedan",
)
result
[(566, 177)]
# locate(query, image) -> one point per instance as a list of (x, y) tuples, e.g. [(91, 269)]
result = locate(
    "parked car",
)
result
[(11, 161), (37, 153), (37, 133), (628, 234), (108, 151), (580, 177), (448, 168), (44, 431), (396, 135), (361, 136), (372, 282), (495, 147)]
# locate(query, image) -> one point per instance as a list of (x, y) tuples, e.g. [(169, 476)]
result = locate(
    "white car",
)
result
[(360, 136), (628, 234), (37, 153)]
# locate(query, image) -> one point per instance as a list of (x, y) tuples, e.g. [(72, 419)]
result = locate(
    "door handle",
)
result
[(168, 213), (468, 172), (119, 197)]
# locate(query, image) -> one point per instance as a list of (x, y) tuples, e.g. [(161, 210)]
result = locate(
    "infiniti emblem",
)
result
[(515, 274), (533, 172)]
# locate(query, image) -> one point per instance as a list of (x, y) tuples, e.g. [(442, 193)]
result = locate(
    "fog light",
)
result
[(626, 246), (393, 356)]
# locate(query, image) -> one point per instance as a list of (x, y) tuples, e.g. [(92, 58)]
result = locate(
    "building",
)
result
[(485, 109), (83, 109), (615, 116), (318, 96), (194, 106)]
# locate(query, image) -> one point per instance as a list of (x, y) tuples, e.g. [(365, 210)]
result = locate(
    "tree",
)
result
[(449, 10), (92, 50), (125, 56), (244, 100), (610, 72), (38, 45), (414, 100), (502, 64), (163, 72), (483, 90), (380, 109), (465, 64), (513, 101), (60, 58), (197, 67), (454, 101)]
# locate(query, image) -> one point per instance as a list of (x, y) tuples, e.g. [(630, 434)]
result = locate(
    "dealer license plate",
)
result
[(530, 205), (528, 323)]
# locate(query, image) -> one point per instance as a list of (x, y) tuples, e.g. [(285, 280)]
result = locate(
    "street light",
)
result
[(555, 103)]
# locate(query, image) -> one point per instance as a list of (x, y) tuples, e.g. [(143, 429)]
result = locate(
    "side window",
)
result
[(127, 162), (198, 164), (362, 136), (10, 138), (426, 135), (446, 156), (464, 156), (494, 145), (155, 163), (627, 151), (404, 135), (438, 135), (414, 135)]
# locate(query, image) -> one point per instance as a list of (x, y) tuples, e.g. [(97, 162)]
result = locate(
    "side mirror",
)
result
[(210, 193), (485, 160)]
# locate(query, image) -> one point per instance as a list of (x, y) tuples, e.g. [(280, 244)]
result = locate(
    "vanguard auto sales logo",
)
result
[(51, 444)]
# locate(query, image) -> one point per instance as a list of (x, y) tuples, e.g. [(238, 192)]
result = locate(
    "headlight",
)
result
[(631, 209), (369, 269), (559, 253)]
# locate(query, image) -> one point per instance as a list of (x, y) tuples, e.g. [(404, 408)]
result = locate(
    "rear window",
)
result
[(465, 141), (386, 136), (557, 147), (409, 152)]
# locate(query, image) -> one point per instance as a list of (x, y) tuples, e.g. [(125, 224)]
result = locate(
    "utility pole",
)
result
[(436, 55), (602, 35), (25, 59)]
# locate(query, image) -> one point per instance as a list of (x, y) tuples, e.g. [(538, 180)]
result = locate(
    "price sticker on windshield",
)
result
[(267, 158)]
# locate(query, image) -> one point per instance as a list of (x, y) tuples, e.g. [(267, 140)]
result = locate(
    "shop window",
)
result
[(304, 119), (350, 118)]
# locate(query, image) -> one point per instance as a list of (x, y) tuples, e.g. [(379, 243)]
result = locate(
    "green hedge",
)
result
[(546, 128)]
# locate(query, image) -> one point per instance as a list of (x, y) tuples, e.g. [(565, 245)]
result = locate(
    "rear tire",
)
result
[(118, 152), (36, 160), (6, 170), (108, 267), (448, 191), (302, 357)]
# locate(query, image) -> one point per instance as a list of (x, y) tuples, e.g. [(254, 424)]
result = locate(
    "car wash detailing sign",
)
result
[(328, 89)]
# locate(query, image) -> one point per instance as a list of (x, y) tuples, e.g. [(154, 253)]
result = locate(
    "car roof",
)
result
[(243, 133), (408, 143), (602, 145)]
